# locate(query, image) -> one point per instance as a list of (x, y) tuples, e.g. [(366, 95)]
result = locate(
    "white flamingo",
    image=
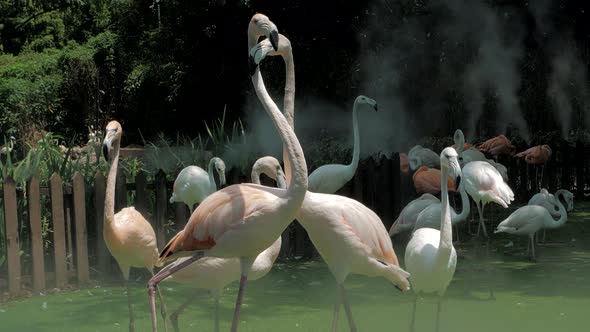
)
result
[(473, 154), (421, 156), (193, 184), (328, 179), (407, 218), (214, 273), (349, 236), (529, 219), (241, 220), (7, 148), (430, 256), (484, 184), (549, 201)]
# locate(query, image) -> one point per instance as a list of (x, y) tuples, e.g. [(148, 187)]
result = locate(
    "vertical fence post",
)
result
[(141, 193), (396, 185), (101, 248), (180, 213), (59, 239), (580, 183), (120, 192), (13, 246), (79, 193), (161, 207), (34, 198)]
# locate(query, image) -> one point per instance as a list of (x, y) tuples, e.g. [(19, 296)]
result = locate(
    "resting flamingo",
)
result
[(537, 156), (485, 184), (427, 180), (241, 220), (469, 154), (421, 156), (407, 218), (349, 236), (213, 273), (549, 201), (430, 256), (529, 219), (497, 146), (404, 163), (129, 237), (328, 179), (193, 184)]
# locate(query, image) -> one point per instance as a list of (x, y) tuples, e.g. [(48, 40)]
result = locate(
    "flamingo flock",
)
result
[(234, 234)]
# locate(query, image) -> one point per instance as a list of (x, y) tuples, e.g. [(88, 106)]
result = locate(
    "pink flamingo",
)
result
[(404, 163), (496, 146), (427, 180), (537, 155)]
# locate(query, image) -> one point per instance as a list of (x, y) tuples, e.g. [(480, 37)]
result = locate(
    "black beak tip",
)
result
[(252, 65), (274, 39), (105, 152)]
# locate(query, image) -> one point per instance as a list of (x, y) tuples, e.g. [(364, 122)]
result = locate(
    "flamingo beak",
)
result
[(274, 39), (105, 151), (457, 182)]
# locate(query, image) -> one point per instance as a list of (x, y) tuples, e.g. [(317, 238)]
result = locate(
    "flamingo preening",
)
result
[(349, 236), (214, 273), (193, 184), (129, 237), (430, 256), (407, 218), (427, 180), (241, 220), (529, 219), (328, 179)]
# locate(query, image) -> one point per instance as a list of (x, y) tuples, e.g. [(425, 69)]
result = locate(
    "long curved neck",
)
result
[(465, 207), (446, 233), (109, 201), (562, 215), (357, 141), (289, 103), (212, 184)]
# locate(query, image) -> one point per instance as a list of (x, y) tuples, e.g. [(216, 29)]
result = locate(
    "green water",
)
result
[(550, 295)]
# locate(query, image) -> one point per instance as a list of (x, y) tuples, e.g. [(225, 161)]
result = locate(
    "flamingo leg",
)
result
[(163, 274), (162, 309), (130, 306), (245, 266), (481, 223), (413, 324), (438, 307), (544, 233), (347, 309), (533, 249), (336, 309)]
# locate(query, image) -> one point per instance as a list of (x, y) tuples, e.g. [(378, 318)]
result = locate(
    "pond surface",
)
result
[(550, 295)]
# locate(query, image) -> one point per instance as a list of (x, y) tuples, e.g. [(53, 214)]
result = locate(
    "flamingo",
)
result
[(496, 146), (460, 144), (241, 220), (214, 273), (537, 155), (349, 236), (427, 180), (527, 220), (421, 156), (7, 149), (193, 184), (485, 184), (549, 201), (469, 154), (328, 179), (129, 237), (407, 218), (430, 256)]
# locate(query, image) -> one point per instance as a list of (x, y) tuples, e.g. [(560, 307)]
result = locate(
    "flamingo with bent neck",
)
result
[(129, 237), (549, 201), (420, 156), (468, 153), (430, 256), (529, 219), (496, 146), (328, 179), (407, 218), (349, 236), (241, 220), (214, 273), (193, 184)]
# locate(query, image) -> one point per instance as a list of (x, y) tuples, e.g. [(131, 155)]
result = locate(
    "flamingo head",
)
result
[(366, 100), (260, 25), (113, 134), (220, 169), (449, 159), (459, 139)]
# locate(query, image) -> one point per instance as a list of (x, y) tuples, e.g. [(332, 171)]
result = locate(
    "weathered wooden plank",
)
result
[(34, 203), (181, 212), (120, 192), (385, 193), (102, 252), (141, 193), (59, 235), (396, 185), (580, 156), (161, 208), (12, 243), (81, 233)]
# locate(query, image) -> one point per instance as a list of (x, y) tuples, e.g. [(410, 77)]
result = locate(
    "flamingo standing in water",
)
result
[(328, 179), (430, 256), (214, 273), (407, 218), (529, 219), (485, 184), (497, 146), (537, 155), (193, 184), (549, 201), (427, 180), (349, 236), (241, 220), (421, 156), (129, 237)]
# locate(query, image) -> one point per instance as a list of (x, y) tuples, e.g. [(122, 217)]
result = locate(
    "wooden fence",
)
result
[(76, 251)]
